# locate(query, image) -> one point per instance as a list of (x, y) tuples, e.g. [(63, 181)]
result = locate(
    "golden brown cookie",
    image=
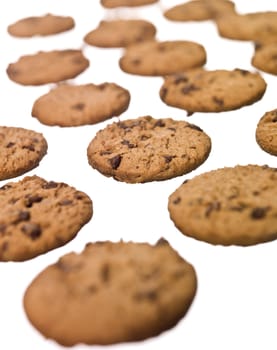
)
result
[(161, 58), (212, 91), (74, 105), (266, 132), (265, 57), (120, 33), (126, 3), (40, 25), (46, 67), (37, 216), (228, 206), (147, 149), (21, 151), (111, 293)]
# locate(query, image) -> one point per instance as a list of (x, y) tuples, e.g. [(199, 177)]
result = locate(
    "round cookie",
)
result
[(212, 91), (37, 216), (47, 67), (266, 132), (120, 33), (147, 149), (256, 26), (228, 206), (199, 10), (40, 25), (126, 3), (111, 293), (265, 57), (21, 151), (153, 58), (74, 105)]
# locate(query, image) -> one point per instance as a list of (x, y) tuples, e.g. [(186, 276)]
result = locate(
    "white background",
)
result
[(236, 305)]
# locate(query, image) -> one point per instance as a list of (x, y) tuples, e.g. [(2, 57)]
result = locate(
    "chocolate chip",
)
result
[(189, 88), (274, 119), (30, 200), (144, 137), (5, 187), (218, 101), (189, 113), (179, 78), (30, 147), (242, 71), (65, 202), (163, 92), (31, 230), (177, 200), (168, 159), (161, 242), (115, 161), (50, 184), (10, 144), (214, 206), (159, 123), (194, 127), (104, 153), (149, 295), (102, 86), (259, 212), (22, 216), (105, 273), (136, 62), (78, 106), (128, 144)]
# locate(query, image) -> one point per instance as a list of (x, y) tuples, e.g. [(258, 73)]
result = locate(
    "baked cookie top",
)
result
[(38, 215), (147, 149), (126, 3), (256, 26), (79, 298), (266, 132), (265, 57), (228, 206), (46, 67), (120, 33), (199, 10), (212, 91), (153, 58), (74, 105), (47, 24), (21, 151)]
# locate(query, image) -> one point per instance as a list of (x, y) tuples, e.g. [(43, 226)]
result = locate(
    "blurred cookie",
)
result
[(74, 105), (21, 151), (266, 132), (40, 25), (199, 10), (126, 3), (37, 216), (79, 299), (161, 58), (265, 57), (120, 33), (212, 91), (47, 67), (147, 149), (256, 26), (228, 206)]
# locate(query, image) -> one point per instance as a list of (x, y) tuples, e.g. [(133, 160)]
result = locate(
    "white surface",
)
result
[(235, 306)]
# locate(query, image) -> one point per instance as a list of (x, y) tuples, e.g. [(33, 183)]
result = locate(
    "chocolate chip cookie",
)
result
[(266, 132), (111, 293)]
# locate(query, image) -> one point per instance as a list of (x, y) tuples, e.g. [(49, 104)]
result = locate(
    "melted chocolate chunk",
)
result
[(50, 184), (5, 187), (177, 200), (115, 161), (159, 123), (31, 230), (189, 88), (214, 206), (10, 144), (218, 101), (22, 216), (259, 212), (168, 159), (79, 106), (30, 200), (30, 147)]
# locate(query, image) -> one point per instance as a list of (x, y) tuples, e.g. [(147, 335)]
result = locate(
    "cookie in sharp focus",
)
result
[(266, 132), (47, 24), (37, 216), (74, 105), (126, 3), (21, 151), (153, 58), (199, 10), (147, 149), (46, 67), (120, 33), (256, 26), (228, 206), (265, 57), (79, 298), (212, 91)]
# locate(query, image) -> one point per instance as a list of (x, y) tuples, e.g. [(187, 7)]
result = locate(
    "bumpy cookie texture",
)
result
[(37, 216), (21, 151), (126, 3), (200, 10), (265, 57), (161, 58), (257, 26), (120, 33), (40, 26), (212, 91), (47, 67), (228, 206), (80, 298), (74, 105), (147, 149), (266, 132)]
